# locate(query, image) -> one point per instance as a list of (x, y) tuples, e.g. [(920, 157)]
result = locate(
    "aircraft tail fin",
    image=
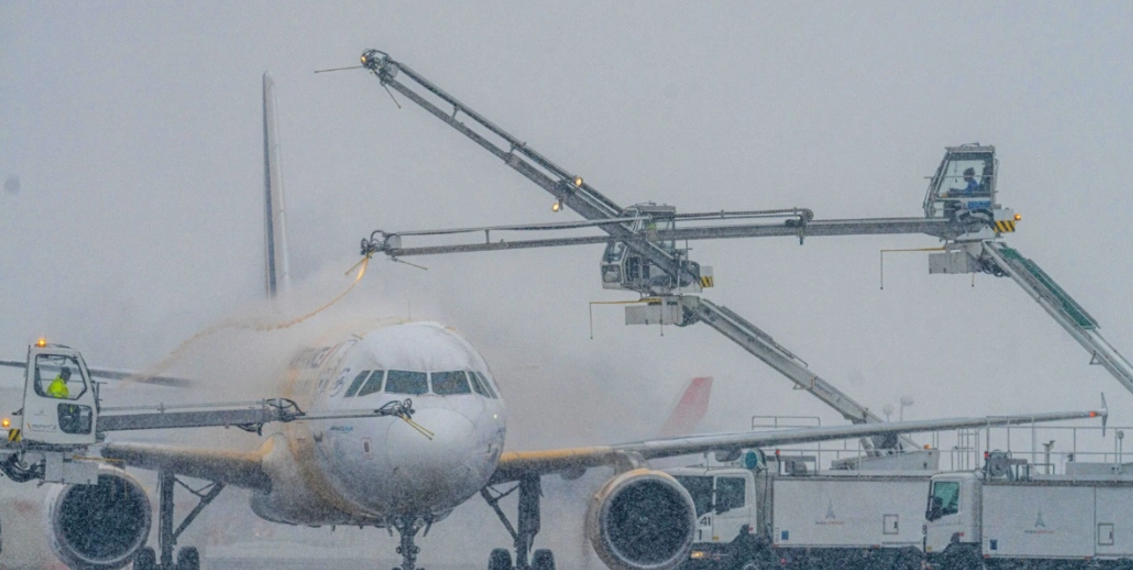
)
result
[(277, 270), (689, 409)]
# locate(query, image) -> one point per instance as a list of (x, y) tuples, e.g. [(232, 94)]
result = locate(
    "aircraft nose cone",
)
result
[(433, 470)]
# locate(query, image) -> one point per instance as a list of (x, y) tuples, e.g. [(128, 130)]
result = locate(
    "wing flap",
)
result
[(242, 469)]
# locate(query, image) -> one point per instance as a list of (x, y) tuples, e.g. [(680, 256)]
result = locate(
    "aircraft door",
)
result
[(59, 400)]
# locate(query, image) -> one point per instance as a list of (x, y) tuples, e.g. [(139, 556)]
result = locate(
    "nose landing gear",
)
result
[(408, 527)]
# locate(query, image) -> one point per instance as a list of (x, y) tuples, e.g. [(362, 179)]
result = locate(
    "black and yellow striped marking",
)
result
[(13, 435), (706, 281), (1005, 226)]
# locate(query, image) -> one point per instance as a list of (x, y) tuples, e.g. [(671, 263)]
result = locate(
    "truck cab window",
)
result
[(729, 493), (944, 500), (700, 488)]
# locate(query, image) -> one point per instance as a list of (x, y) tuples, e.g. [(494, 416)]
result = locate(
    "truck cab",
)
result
[(60, 405), (952, 514), (725, 500)]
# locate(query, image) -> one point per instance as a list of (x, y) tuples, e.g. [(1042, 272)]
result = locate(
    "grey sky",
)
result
[(134, 129)]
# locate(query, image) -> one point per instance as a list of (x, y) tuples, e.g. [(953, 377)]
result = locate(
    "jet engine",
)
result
[(641, 520), (98, 527)]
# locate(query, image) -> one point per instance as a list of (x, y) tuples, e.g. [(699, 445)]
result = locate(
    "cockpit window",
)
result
[(487, 385), (357, 383), (478, 386), (404, 382), (374, 384), (447, 383)]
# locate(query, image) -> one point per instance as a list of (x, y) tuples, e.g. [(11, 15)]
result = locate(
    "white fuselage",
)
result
[(369, 470)]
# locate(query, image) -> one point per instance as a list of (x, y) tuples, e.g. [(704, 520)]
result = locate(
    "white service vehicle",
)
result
[(753, 516), (1005, 517)]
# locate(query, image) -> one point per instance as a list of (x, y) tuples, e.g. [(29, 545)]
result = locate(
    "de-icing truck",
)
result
[(777, 512), (1004, 517)]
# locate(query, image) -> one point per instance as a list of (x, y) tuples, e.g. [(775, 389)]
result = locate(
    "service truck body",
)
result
[(754, 518), (1075, 517)]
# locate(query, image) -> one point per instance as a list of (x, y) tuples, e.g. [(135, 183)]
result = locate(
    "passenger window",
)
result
[(404, 382), (448, 383), (729, 493), (357, 383), (487, 385), (700, 489), (478, 386), (374, 384)]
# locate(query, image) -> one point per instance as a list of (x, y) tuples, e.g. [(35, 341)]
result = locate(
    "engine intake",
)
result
[(642, 520), (98, 527)]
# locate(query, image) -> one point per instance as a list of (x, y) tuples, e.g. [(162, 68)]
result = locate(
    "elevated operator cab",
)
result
[(963, 189), (60, 401), (623, 268), (964, 183)]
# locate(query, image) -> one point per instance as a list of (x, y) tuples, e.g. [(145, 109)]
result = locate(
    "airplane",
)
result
[(405, 474)]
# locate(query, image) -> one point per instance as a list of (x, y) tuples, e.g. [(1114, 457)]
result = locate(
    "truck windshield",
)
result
[(700, 488)]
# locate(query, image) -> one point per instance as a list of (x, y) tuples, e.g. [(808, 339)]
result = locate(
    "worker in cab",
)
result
[(971, 186), (58, 387)]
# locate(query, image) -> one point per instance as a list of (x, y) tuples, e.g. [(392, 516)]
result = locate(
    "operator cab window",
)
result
[(405, 382), (729, 493), (373, 384), (700, 489), (450, 383), (977, 181), (58, 376)]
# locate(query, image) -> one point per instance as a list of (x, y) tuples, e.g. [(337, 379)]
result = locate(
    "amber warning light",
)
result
[(42, 342), (5, 423)]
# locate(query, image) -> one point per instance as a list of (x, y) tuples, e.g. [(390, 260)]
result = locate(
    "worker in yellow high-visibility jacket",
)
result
[(58, 387)]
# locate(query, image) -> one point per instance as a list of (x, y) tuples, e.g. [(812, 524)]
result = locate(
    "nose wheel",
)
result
[(408, 527)]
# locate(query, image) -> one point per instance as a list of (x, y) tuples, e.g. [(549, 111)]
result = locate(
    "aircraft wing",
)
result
[(242, 469), (112, 374), (515, 465)]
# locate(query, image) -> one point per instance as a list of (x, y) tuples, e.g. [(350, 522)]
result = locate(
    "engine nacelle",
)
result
[(642, 520), (98, 527)]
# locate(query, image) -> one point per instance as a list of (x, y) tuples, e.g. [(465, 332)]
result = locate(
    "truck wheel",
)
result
[(146, 559), (189, 558), (500, 559), (543, 560)]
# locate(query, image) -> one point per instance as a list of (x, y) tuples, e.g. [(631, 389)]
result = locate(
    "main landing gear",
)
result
[(188, 558), (528, 526)]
